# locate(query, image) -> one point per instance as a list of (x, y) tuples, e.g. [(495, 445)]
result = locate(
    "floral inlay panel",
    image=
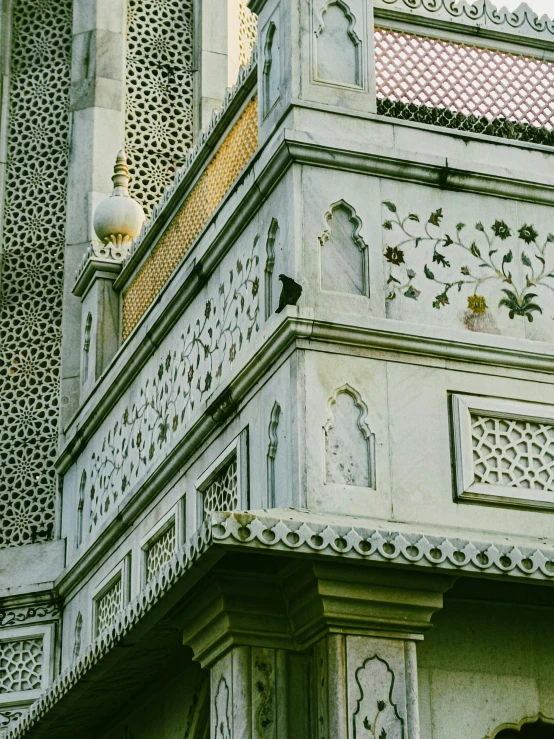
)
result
[(183, 373), (490, 270)]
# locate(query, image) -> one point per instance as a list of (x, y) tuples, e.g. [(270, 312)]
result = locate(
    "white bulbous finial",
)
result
[(119, 218)]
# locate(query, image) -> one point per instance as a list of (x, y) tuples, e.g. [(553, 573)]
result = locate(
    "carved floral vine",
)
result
[(489, 258), (184, 377)]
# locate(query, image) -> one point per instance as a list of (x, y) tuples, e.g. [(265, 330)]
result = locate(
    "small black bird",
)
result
[(290, 293)]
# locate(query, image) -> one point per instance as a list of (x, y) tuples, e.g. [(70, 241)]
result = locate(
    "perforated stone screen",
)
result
[(160, 552), (461, 86), (513, 452), (109, 605), (248, 33), (222, 493), (32, 266), (159, 103), (20, 665)]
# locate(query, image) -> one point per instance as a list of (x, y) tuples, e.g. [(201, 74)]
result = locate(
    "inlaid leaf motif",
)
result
[(183, 376)]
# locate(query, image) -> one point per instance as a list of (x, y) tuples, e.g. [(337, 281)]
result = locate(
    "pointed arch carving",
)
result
[(337, 47), (344, 260), (376, 713), (349, 441), (272, 235), (271, 72)]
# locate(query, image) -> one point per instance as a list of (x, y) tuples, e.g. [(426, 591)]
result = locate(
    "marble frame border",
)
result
[(466, 488), (46, 632)]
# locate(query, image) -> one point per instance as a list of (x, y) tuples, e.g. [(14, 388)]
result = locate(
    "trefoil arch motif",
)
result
[(340, 270), (325, 70), (381, 720), (362, 427)]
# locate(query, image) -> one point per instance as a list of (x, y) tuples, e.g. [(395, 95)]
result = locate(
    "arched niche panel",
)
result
[(343, 253), (338, 48), (349, 442)]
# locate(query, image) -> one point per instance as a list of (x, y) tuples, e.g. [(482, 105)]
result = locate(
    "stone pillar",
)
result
[(333, 642), (99, 338), (318, 53), (97, 117), (238, 629), (363, 625)]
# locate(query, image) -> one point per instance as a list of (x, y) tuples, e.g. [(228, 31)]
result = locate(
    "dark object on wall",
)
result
[(537, 730), (290, 293)]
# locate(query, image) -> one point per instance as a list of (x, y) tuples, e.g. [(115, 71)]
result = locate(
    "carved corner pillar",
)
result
[(237, 627), (318, 52), (100, 314), (324, 651), (363, 624)]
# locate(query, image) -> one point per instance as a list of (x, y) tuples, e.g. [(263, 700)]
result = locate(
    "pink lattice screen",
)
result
[(416, 74)]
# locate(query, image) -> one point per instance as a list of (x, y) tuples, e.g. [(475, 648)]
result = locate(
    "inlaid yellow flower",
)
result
[(477, 304)]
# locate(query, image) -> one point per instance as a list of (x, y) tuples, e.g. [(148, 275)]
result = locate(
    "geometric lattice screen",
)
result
[(159, 102), (513, 452), (21, 665), (248, 33), (222, 493), (32, 266), (160, 552)]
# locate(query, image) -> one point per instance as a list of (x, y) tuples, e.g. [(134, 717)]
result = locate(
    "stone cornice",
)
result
[(299, 534), (373, 542)]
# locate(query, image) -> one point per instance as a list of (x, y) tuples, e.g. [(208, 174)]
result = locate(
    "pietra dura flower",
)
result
[(394, 255), (501, 229), (528, 234)]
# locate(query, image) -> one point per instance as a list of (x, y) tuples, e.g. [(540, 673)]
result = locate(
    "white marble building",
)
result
[(277, 409)]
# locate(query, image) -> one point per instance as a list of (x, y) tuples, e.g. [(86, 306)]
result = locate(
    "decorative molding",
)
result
[(29, 614), (481, 13), (381, 545)]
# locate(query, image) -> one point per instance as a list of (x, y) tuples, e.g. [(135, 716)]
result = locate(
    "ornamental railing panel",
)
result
[(232, 156), (457, 85)]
